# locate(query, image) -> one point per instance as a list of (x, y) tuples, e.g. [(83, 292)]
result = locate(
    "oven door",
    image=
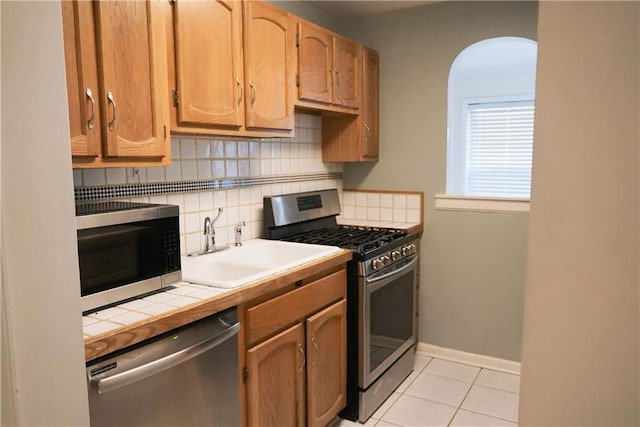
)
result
[(387, 316)]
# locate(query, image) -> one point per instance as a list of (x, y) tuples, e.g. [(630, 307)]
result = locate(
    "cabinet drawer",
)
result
[(273, 315)]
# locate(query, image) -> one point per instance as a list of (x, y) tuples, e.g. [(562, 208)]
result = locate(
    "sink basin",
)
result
[(253, 260)]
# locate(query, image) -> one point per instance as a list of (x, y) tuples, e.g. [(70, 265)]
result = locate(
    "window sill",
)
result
[(449, 202)]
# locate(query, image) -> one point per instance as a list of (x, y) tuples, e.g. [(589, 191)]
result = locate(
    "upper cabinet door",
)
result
[(82, 78), (314, 63), (131, 39), (346, 62), (269, 48), (208, 58), (371, 104)]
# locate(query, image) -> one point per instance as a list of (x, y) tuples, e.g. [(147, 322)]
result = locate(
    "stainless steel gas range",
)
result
[(381, 292)]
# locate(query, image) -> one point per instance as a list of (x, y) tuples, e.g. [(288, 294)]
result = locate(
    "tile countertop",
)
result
[(129, 323)]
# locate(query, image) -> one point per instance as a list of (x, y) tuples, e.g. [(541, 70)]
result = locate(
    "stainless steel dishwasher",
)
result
[(187, 377)]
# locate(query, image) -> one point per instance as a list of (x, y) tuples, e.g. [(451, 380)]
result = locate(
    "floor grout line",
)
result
[(421, 371), (465, 396)]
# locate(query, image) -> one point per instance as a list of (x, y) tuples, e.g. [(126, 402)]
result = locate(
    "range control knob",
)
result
[(409, 249), (375, 264), (395, 255), (385, 260)]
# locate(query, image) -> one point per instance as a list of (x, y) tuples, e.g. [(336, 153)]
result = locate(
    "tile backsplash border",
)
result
[(119, 191)]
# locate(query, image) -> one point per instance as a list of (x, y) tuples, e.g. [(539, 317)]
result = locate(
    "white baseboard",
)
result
[(480, 360)]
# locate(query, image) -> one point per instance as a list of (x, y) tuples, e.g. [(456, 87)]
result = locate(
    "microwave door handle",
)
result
[(138, 373), (401, 270)]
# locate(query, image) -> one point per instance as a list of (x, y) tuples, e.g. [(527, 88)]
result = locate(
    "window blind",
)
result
[(500, 149)]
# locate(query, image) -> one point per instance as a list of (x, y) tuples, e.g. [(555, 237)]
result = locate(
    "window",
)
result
[(499, 149), (490, 119)]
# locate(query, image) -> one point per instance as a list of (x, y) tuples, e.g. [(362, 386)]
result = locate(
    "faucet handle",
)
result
[(220, 210)]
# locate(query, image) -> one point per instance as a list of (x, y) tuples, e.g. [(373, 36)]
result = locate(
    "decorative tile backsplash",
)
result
[(382, 208), (208, 173)]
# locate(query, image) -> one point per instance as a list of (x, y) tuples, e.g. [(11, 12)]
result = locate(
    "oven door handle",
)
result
[(401, 270)]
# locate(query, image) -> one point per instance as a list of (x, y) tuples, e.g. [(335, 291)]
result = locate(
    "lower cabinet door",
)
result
[(326, 364), (275, 385)]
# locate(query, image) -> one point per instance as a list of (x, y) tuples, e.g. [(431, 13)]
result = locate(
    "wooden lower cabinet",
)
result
[(326, 364), (295, 360), (275, 385)]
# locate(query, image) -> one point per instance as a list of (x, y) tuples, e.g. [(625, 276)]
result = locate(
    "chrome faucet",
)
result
[(210, 232), (207, 233), (239, 233)]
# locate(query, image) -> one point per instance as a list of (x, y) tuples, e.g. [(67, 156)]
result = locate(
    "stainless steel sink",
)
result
[(254, 260)]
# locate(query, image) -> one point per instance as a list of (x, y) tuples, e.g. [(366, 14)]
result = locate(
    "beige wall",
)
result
[(580, 344), (311, 13), (42, 344), (472, 264)]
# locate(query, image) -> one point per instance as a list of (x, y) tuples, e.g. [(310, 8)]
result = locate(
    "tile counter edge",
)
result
[(110, 341)]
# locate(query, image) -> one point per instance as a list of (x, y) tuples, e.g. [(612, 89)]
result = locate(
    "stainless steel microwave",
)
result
[(126, 249)]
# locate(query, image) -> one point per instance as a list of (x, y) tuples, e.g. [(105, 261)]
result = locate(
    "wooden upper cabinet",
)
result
[(326, 364), (269, 67), (208, 62), (315, 49), (275, 385), (328, 69), (346, 70), (356, 138), (370, 115), (231, 68), (82, 78), (115, 62), (131, 42)]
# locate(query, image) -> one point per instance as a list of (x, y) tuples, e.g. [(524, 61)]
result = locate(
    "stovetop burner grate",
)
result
[(359, 239)]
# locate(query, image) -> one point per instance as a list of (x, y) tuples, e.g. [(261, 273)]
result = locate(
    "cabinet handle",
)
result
[(91, 121), (368, 129), (330, 76), (112, 123), (337, 79), (315, 347), (253, 92), (241, 90), (304, 362)]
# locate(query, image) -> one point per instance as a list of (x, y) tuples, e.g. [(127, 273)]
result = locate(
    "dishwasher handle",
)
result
[(105, 385)]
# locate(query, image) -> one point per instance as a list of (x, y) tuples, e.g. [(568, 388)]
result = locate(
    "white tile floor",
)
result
[(443, 393)]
